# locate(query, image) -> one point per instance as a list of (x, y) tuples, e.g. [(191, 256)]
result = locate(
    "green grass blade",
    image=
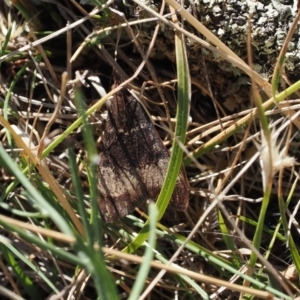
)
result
[(24, 280), (91, 169), (35, 195), (239, 125), (34, 268), (79, 197), (177, 151), (146, 265)]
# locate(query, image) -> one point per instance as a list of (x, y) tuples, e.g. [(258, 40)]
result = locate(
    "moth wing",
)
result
[(120, 184), (120, 190), (133, 163), (158, 157)]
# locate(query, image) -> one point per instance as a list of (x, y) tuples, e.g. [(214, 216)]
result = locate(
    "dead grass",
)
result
[(57, 254)]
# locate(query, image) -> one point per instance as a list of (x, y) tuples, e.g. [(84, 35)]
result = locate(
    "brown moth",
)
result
[(134, 161)]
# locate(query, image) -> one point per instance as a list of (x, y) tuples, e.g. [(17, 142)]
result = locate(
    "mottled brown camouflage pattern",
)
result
[(133, 162)]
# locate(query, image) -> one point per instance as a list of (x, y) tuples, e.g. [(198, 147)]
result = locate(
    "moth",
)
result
[(133, 161)]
